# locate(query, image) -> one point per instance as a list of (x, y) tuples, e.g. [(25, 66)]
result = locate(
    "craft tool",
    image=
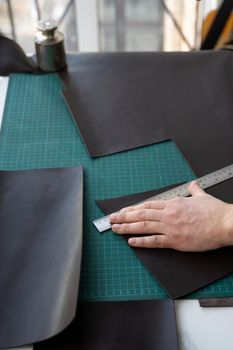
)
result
[(3, 91)]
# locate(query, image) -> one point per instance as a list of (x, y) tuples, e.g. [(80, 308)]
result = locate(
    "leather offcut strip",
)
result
[(216, 302)]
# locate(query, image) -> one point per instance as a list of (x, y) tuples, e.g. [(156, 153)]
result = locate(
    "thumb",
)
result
[(195, 189)]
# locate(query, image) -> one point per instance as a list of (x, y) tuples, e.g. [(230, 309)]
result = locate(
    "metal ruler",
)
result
[(3, 92), (102, 224)]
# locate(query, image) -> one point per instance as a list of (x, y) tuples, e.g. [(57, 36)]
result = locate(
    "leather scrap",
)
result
[(114, 325), (13, 59), (40, 252)]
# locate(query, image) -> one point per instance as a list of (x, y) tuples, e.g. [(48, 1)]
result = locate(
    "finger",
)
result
[(195, 189), (155, 241), (136, 215), (156, 204), (138, 227)]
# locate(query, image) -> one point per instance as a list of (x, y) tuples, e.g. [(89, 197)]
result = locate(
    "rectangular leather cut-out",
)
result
[(122, 101), (40, 252), (128, 325), (180, 273), (145, 97)]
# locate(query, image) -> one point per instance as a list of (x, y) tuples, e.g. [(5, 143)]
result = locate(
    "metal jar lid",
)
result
[(47, 25)]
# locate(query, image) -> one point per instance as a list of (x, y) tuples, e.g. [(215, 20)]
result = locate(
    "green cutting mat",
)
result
[(38, 132)]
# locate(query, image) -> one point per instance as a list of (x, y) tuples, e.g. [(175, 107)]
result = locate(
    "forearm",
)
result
[(228, 225)]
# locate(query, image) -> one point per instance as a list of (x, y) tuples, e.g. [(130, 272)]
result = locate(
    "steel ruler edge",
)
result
[(3, 92), (103, 224)]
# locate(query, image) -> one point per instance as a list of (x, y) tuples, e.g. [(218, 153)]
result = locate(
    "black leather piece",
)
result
[(40, 252), (216, 302), (123, 101), (13, 59), (127, 100), (178, 272), (128, 325), (152, 97)]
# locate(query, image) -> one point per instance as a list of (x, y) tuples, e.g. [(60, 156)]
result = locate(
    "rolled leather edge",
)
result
[(13, 58)]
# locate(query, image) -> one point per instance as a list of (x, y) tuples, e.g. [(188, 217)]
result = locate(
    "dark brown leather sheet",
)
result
[(178, 272), (216, 302), (128, 325), (127, 100), (122, 101), (13, 58), (40, 252)]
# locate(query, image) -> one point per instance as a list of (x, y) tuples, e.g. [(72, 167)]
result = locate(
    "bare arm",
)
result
[(197, 223)]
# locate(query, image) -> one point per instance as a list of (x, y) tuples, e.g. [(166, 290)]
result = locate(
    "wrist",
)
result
[(228, 225)]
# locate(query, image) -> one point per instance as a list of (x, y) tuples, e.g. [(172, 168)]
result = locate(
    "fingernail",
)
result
[(116, 227), (112, 217), (132, 241)]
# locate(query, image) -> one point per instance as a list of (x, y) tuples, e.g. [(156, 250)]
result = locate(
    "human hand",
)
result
[(197, 223)]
